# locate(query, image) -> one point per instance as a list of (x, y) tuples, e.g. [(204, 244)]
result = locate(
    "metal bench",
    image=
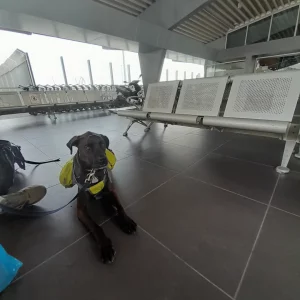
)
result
[(258, 104)]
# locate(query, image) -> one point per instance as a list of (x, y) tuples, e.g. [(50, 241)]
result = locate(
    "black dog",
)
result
[(91, 155)]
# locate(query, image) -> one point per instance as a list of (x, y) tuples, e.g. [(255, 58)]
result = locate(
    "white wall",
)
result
[(14, 71)]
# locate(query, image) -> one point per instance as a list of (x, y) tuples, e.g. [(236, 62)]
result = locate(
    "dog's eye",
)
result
[(87, 148)]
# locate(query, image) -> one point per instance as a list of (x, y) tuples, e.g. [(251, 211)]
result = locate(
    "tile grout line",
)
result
[(229, 191), (253, 162), (285, 211), (255, 241), (186, 263), (244, 160), (154, 164)]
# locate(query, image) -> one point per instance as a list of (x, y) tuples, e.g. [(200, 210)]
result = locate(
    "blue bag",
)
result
[(9, 267)]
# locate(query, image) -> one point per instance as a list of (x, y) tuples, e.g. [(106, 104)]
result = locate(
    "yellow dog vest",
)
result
[(66, 174)]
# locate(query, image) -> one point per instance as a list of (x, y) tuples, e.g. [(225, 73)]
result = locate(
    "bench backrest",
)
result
[(264, 96), (161, 96), (202, 97)]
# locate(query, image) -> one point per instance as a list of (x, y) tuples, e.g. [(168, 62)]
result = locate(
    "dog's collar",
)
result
[(96, 188)]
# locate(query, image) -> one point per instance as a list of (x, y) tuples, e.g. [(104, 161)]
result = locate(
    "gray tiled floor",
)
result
[(200, 198)]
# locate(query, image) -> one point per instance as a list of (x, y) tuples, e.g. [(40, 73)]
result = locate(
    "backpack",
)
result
[(10, 154)]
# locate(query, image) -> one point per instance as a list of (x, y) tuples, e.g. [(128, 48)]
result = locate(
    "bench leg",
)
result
[(49, 113), (128, 127), (148, 127), (288, 151), (297, 155)]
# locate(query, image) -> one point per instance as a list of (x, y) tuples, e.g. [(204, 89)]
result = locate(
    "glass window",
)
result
[(258, 32), (284, 23), (274, 63), (184, 70), (236, 38), (230, 69)]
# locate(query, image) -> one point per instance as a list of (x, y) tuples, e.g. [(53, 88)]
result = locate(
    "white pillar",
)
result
[(151, 62), (64, 70), (124, 66), (128, 73), (90, 71), (111, 73)]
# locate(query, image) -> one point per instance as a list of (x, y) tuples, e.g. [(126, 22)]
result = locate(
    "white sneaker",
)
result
[(27, 196)]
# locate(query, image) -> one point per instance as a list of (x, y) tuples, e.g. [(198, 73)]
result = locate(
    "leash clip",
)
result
[(90, 176)]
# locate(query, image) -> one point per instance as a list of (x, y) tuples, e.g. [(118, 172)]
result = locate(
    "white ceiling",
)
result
[(132, 7), (215, 19)]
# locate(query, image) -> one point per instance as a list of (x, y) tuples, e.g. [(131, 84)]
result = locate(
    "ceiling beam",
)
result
[(169, 13), (97, 18)]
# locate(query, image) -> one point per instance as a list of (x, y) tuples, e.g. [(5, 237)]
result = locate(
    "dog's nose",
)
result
[(101, 161)]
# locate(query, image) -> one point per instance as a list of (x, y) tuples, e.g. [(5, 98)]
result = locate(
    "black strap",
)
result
[(41, 162), (30, 212)]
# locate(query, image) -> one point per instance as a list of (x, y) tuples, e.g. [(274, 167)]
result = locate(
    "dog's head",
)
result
[(91, 149)]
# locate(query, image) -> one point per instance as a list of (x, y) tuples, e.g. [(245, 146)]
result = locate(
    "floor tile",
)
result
[(55, 150), (143, 269), (258, 149), (201, 142), (46, 174), (158, 131), (245, 178), (134, 178), (287, 193), (33, 240), (133, 144), (172, 156), (273, 272), (209, 228), (33, 154), (214, 133)]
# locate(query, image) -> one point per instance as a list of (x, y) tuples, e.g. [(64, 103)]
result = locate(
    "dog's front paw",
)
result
[(126, 224), (107, 253)]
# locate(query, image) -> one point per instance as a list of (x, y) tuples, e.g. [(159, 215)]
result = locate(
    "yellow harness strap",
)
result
[(97, 188)]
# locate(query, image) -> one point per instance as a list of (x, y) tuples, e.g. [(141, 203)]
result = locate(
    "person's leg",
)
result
[(27, 196)]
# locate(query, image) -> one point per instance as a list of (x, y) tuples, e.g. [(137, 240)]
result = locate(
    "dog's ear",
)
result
[(106, 140), (73, 142)]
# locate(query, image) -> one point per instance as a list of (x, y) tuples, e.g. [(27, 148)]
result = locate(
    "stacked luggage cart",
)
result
[(58, 98)]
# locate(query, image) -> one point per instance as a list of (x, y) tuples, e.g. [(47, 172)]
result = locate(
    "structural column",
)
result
[(250, 64), (151, 62)]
